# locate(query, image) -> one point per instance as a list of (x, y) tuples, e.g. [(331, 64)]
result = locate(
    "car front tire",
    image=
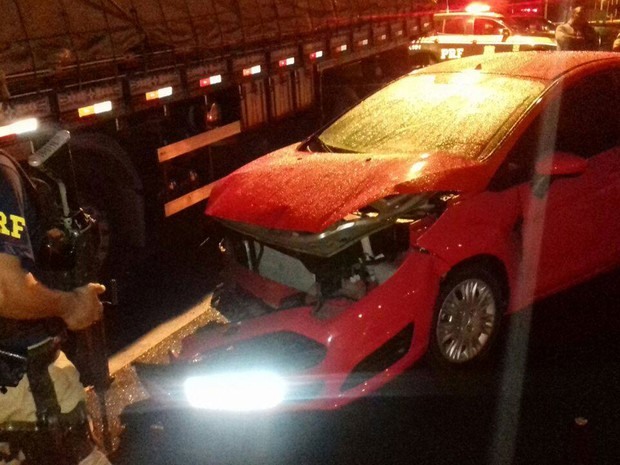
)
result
[(468, 314)]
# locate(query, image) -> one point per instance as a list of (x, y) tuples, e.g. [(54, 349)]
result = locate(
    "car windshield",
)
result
[(456, 113)]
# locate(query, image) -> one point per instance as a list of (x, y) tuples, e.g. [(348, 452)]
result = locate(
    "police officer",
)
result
[(29, 310), (576, 33)]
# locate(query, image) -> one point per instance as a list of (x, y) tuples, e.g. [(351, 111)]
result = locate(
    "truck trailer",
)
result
[(163, 97)]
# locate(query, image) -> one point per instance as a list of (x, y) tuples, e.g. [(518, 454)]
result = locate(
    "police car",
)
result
[(475, 32)]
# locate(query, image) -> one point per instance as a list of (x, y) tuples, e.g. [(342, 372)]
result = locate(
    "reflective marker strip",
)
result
[(95, 109), (286, 62), (19, 127), (253, 70), (211, 80), (160, 93), (317, 54), (342, 48), (362, 42)]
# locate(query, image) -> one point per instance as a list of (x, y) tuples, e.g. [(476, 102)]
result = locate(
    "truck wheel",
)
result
[(468, 315), (108, 190)]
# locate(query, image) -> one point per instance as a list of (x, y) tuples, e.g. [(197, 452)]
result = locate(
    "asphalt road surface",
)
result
[(550, 395)]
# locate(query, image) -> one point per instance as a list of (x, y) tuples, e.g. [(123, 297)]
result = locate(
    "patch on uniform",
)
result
[(12, 225)]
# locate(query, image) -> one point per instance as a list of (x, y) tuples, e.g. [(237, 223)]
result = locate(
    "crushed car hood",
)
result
[(305, 191)]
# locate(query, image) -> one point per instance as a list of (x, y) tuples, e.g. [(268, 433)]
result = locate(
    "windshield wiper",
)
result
[(321, 146), (315, 144)]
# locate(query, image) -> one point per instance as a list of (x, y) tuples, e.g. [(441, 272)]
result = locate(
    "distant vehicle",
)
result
[(467, 33), (607, 32), (411, 225), (532, 25)]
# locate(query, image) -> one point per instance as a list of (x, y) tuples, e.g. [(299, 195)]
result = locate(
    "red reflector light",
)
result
[(286, 62), (211, 80)]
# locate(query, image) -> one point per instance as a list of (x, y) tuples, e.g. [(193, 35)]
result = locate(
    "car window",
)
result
[(583, 121), (454, 26), (487, 27), (588, 116)]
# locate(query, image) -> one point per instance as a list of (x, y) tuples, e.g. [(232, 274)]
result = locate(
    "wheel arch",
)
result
[(491, 262)]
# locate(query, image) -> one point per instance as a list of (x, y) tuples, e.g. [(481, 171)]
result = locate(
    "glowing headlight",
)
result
[(256, 390)]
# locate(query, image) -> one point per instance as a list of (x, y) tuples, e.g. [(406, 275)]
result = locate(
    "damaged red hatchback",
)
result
[(411, 224)]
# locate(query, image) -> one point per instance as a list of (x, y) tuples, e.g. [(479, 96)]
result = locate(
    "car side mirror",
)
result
[(560, 164), (505, 34)]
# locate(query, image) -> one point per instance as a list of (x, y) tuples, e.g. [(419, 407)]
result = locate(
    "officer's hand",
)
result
[(84, 308)]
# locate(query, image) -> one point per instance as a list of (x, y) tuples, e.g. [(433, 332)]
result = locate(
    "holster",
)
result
[(55, 438), (12, 369)]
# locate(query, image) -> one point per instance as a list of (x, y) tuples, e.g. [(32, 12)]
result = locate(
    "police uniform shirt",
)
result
[(18, 218), (20, 236)]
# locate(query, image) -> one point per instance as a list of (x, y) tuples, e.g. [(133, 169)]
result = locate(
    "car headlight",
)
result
[(243, 391)]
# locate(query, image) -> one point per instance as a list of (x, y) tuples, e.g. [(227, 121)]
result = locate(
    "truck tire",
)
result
[(109, 189)]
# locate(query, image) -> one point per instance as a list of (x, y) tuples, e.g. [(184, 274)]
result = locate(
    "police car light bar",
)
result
[(95, 109), (477, 7), (160, 93), (286, 62), (316, 55), (19, 127), (253, 70), (211, 80)]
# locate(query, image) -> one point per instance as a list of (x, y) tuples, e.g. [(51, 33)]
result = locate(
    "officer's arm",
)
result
[(22, 297), (562, 37)]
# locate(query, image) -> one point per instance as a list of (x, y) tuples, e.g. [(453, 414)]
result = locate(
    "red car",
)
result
[(410, 225)]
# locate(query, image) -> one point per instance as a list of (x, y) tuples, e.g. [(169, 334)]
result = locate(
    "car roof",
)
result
[(456, 14), (545, 66)]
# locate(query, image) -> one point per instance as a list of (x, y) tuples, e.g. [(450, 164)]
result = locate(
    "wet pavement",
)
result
[(557, 363)]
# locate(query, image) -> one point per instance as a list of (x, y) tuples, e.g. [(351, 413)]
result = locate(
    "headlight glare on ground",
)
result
[(255, 390)]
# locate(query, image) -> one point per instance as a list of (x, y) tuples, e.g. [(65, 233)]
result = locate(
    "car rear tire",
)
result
[(468, 315)]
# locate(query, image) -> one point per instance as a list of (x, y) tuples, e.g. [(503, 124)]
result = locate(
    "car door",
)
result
[(571, 231), (452, 41), (488, 35)]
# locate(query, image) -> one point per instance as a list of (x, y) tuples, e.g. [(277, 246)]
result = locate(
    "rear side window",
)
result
[(454, 26)]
